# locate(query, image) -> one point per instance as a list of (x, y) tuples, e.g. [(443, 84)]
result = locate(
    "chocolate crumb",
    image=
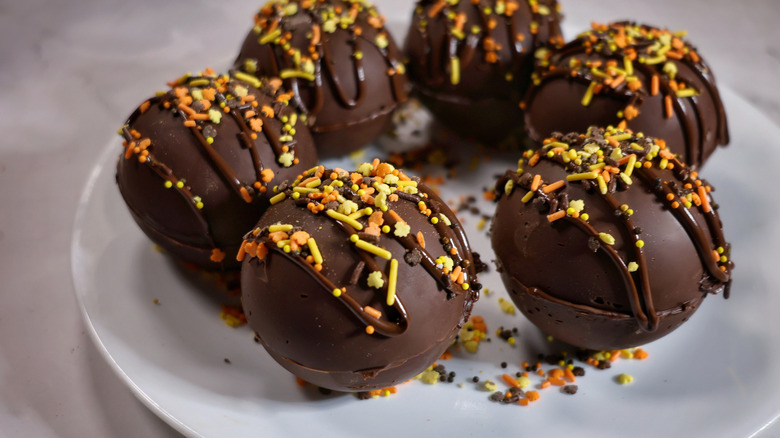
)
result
[(569, 389)]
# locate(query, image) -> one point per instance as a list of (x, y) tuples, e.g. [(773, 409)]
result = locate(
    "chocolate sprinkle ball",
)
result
[(607, 241), (357, 281), (198, 161), (342, 65), (471, 60), (646, 79)]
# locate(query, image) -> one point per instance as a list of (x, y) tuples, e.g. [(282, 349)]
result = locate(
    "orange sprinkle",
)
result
[(534, 159), (532, 395), (509, 380), (554, 186), (545, 384), (536, 182), (705, 202), (421, 239), (655, 85), (217, 255), (455, 273), (300, 381), (569, 375), (668, 106), (446, 355), (614, 356), (556, 373), (189, 123), (370, 329), (245, 194), (523, 402), (557, 381), (557, 215), (144, 107), (372, 312), (640, 354)]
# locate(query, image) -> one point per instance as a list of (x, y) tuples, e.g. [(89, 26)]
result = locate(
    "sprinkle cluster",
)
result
[(631, 49), (361, 204), (202, 101), (468, 34), (303, 61)]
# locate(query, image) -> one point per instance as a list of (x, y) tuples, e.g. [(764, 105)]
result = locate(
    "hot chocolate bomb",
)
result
[(607, 241), (356, 281), (471, 60), (338, 59), (646, 78), (199, 158)]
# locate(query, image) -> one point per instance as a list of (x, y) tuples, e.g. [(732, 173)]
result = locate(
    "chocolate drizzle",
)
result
[(615, 147)]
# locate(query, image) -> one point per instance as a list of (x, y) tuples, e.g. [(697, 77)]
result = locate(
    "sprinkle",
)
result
[(557, 215), (373, 249), (343, 218), (632, 266), (607, 238), (581, 176), (285, 228), (640, 243), (372, 312), (277, 198), (392, 282), (455, 70), (624, 379), (554, 186), (586, 99), (315, 251), (537, 181)]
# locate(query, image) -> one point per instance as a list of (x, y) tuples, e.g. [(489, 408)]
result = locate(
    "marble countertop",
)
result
[(70, 72)]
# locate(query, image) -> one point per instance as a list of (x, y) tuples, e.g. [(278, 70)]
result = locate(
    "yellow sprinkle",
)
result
[(625, 379), (337, 292), (455, 70), (528, 196), (392, 279), (607, 238), (640, 243), (602, 184), (581, 176), (280, 227), (277, 198), (343, 218), (373, 249), (588, 94), (315, 250), (252, 80)]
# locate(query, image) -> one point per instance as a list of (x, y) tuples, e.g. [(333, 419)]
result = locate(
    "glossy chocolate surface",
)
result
[(350, 297), (647, 78), (471, 62), (198, 160), (342, 65), (604, 254)]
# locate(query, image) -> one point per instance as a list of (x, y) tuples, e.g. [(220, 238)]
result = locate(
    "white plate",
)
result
[(715, 376)]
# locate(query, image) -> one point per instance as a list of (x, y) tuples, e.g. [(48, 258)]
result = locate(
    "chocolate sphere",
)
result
[(339, 60), (471, 61), (357, 281), (198, 160), (648, 79), (607, 241)]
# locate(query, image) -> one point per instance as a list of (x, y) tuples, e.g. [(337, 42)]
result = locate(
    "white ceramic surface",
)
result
[(714, 376)]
